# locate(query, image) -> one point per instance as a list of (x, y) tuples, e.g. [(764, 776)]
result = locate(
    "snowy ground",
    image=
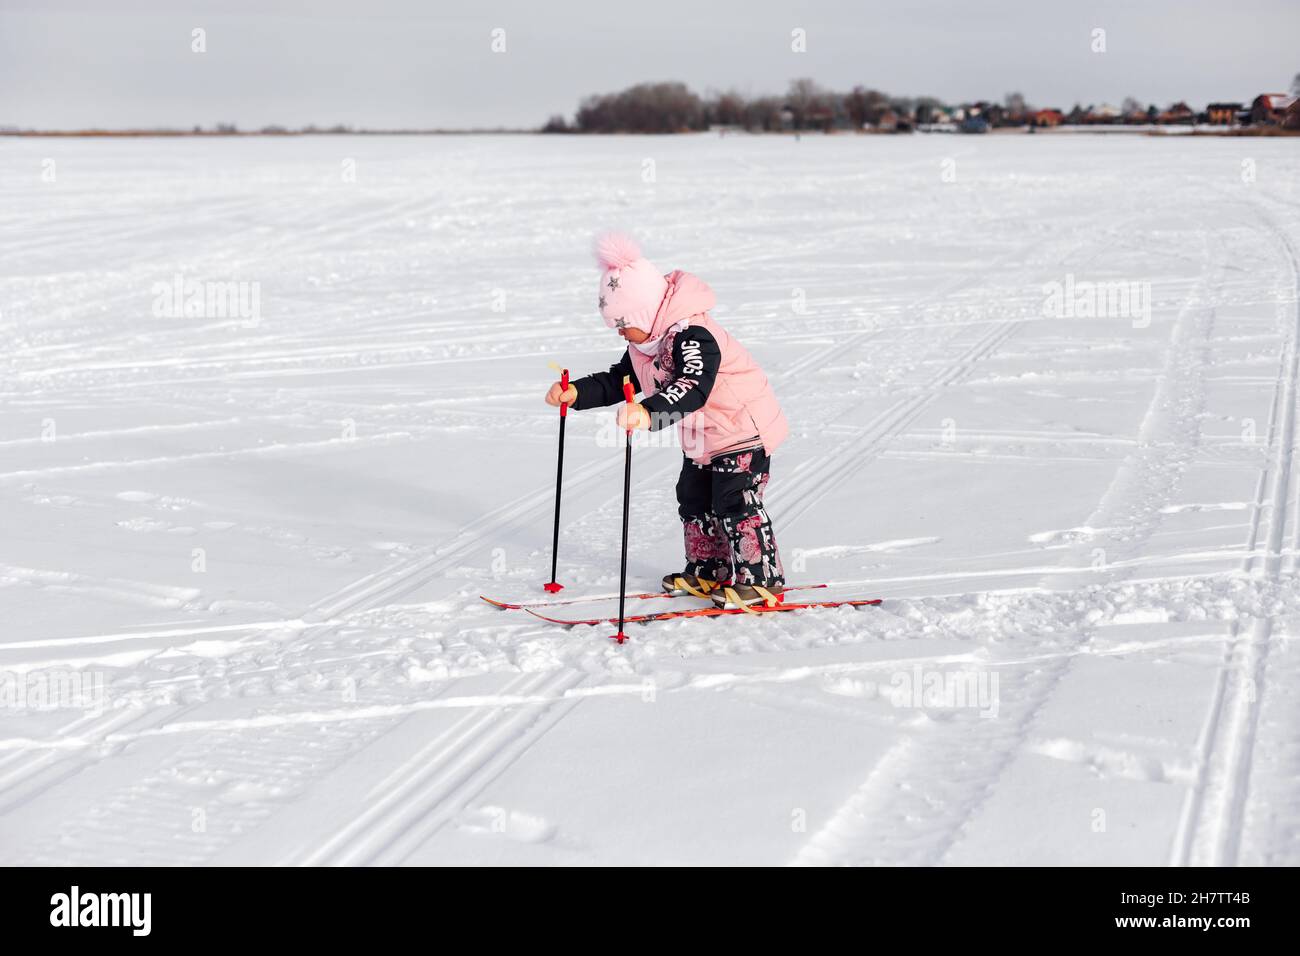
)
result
[(259, 544)]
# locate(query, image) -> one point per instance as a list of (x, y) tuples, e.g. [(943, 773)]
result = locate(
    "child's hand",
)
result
[(633, 416), (557, 397)]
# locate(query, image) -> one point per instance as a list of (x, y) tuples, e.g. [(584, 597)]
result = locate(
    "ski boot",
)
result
[(679, 583), (746, 597)]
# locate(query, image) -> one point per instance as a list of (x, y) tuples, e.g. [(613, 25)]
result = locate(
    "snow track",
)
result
[(411, 804), (1077, 506), (1214, 814), (904, 812)]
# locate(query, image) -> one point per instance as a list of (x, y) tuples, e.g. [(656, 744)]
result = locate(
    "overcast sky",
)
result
[(429, 63)]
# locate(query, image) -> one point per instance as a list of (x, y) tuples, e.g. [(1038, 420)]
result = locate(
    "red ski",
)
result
[(703, 612), (646, 596)]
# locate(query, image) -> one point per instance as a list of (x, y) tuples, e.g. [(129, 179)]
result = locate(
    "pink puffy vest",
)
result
[(741, 404)]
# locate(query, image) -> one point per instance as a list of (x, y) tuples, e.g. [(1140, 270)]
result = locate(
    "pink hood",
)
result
[(687, 295)]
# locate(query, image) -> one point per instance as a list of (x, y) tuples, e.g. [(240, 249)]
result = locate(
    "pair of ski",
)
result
[(553, 586), (532, 607)]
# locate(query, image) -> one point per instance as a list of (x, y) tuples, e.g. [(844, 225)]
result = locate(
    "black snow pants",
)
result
[(728, 534)]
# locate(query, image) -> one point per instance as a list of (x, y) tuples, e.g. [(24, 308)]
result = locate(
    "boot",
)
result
[(746, 596), (679, 583)]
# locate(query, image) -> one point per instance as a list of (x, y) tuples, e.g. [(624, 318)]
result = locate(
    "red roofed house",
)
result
[(1291, 118), (1269, 108), (1178, 113), (1046, 118)]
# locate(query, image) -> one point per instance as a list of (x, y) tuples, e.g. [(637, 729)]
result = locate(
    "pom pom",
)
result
[(614, 250)]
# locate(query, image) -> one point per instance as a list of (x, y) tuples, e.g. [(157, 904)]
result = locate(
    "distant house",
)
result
[(1268, 109), (883, 119), (927, 115), (1222, 114), (822, 118), (1047, 118), (1291, 118), (1103, 114), (1178, 114), (974, 124)]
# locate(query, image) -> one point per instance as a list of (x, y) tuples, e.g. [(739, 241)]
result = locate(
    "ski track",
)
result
[(437, 783), (416, 808), (898, 814), (894, 817), (390, 585), (1210, 828)]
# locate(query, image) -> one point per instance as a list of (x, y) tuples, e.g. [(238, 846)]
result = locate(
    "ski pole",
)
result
[(554, 587), (630, 396)]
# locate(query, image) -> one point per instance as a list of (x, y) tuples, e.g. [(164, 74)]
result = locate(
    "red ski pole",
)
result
[(630, 397), (552, 586)]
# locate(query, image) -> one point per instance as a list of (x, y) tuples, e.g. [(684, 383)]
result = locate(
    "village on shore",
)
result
[(808, 107), (658, 108), (1280, 111)]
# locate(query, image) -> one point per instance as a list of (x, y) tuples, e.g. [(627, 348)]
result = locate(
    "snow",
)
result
[(263, 535)]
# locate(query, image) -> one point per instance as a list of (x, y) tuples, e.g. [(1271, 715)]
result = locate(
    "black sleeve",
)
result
[(604, 388), (696, 358)]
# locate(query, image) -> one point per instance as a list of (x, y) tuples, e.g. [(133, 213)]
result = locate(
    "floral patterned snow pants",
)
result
[(728, 534)]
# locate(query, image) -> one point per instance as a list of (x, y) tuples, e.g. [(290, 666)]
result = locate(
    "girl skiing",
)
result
[(690, 372)]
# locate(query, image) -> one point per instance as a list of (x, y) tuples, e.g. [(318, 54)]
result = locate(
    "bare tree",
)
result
[(865, 106), (1015, 104), (645, 108), (725, 109), (763, 113), (803, 98), (1131, 105), (1295, 84)]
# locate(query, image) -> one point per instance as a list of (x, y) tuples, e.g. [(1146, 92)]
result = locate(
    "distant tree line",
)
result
[(673, 108)]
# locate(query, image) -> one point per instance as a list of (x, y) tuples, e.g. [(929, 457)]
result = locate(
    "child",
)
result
[(690, 371)]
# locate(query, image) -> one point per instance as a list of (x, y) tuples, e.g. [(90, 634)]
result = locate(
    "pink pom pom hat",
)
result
[(631, 288)]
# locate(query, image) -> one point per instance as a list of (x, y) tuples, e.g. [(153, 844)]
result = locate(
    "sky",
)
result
[(384, 64)]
